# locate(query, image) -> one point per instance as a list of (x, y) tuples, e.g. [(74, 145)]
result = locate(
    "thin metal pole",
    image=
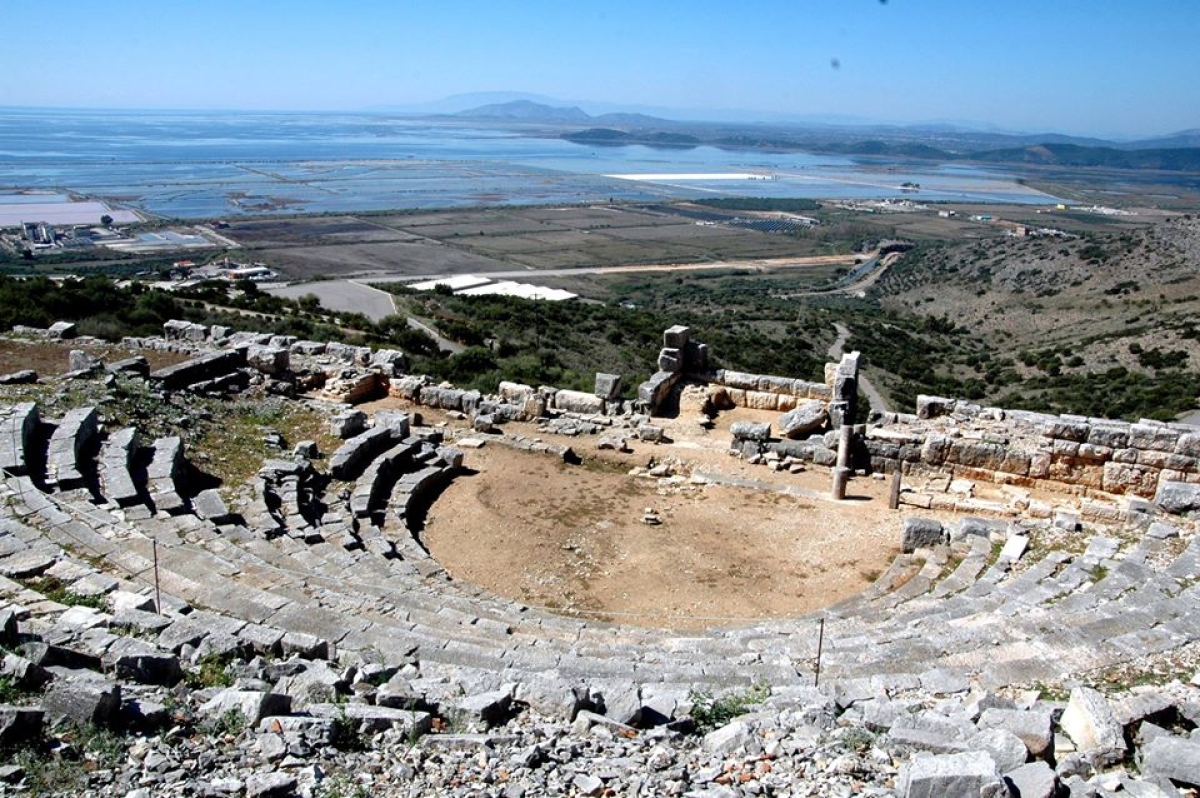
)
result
[(820, 647), (158, 594)]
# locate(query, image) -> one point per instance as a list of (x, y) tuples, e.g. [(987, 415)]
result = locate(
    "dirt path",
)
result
[(837, 349)]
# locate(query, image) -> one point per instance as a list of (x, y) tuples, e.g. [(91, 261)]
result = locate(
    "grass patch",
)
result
[(54, 589), (210, 671), (712, 713)]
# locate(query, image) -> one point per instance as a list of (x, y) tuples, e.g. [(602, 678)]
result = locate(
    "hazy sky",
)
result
[(1079, 66)]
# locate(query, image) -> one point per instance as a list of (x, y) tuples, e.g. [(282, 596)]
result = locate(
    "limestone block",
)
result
[(677, 337), (1034, 780), (1090, 723), (1178, 497), (514, 391), (971, 773), (1033, 727), (921, 533), (738, 379), (1174, 758), (63, 330), (805, 419), (579, 402), (670, 360), (933, 406), (85, 701), (760, 400), (750, 431)]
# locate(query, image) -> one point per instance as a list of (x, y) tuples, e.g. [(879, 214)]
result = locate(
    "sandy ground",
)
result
[(566, 537), (51, 358)]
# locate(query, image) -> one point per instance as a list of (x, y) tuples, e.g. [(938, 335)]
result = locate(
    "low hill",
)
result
[(526, 111)]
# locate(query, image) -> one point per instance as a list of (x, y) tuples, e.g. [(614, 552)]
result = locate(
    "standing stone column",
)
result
[(841, 477)]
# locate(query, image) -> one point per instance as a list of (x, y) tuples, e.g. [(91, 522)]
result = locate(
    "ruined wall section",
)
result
[(1076, 453)]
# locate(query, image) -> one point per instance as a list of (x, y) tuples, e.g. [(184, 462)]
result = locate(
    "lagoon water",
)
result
[(212, 164)]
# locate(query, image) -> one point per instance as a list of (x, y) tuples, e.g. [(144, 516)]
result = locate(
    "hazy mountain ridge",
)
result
[(925, 142)]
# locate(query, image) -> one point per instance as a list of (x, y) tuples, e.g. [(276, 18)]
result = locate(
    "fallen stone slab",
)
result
[(806, 418), (729, 738), (1177, 497), (22, 377), (70, 439), (490, 707), (1091, 724), (253, 705), (1034, 727), (20, 725), (1173, 758), (209, 506), (971, 773), (85, 700), (200, 369), (372, 719), (1033, 780)]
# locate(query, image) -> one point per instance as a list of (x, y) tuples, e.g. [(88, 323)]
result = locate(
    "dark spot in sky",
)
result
[(835, 63)]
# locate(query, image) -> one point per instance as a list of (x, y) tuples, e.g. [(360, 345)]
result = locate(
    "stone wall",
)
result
[(1078, 453)]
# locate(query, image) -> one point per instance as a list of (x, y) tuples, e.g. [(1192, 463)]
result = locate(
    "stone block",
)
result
[(1090, 723), (1178, 497), (677, 337), (971, 773), (807, 418), (608, 386), (934, 406), (670, 360), (1173, 758), (268, 359), (750, 431), (920, 533), (84, 700), (1033, 727), (578, 402)]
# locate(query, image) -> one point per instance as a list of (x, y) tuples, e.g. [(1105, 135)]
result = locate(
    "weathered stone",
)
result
[(933, 406), (268, 359), (750, 431), (807, 418), (80, 360), (578, 402), (270, 785), (608, 386), (84, 700), (1090, 723), (489, 708), (1173, 758), (209, 505), (1034, 780), (371, 719), (252, 705), (22, 377), (727, 739), (20, 726), (972, 773), (62, 330), (920, 533), (1178, 497), (1033, 727)]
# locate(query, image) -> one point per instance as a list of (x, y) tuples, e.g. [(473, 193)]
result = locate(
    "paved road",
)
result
[(343, 295), (355, 297), (836, 351)]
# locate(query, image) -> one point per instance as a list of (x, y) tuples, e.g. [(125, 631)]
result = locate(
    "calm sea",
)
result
[(209, 164)]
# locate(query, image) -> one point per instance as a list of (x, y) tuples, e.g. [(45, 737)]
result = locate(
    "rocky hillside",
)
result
[(1044, 322)]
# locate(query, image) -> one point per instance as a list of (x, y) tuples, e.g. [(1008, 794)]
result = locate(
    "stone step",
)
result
[(69, 445), (118, 463)]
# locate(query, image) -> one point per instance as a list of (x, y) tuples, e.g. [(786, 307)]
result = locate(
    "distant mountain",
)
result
[(526, 111), (1177, 159), (1184, 138)]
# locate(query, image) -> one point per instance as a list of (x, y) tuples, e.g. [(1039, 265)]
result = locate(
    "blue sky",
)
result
[(1112, 67)]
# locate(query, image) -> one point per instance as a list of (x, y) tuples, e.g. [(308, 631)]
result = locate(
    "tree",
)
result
[(106, 220)]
